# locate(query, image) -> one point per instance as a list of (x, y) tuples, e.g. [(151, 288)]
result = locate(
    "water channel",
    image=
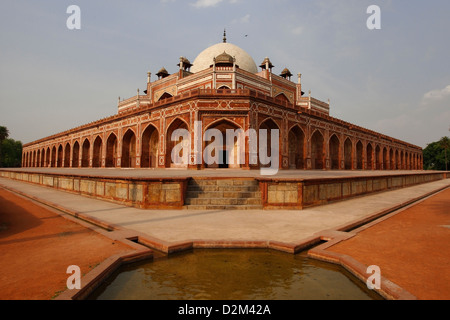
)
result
[(224, 274)]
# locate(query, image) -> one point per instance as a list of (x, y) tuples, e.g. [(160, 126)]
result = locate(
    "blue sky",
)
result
[(395, 80)]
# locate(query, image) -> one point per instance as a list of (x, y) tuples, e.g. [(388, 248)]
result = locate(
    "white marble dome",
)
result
[(205, 59)]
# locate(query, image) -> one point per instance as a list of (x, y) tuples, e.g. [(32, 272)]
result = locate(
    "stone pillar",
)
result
[(138, 145)]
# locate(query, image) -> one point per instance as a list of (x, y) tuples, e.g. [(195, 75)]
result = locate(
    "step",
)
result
[(222, 194), (208, 188), (223, 207), (223, 201), (223, 182)]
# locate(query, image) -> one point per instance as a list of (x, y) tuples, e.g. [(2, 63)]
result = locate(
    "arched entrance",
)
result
[(97, 155), (43, 158), (47, 157), (266, 147), (378, 158), (348, 151), (222, 153), (76, 155), (60, 156), (150, 148), (67, 155), (296, 148), (111, 151), (129, 150), (334, 146), (85, 154), (317, 151), (177, 124)]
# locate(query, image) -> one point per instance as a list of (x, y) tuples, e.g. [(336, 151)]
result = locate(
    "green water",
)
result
[(233, 275)]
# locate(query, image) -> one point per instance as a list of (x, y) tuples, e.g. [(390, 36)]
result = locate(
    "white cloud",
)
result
[(206, 3), (210, 3), (438, 94)]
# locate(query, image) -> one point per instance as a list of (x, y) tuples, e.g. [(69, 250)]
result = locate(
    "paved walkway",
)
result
[(286, 230), (411, 247), (175, 226), (216, 173)]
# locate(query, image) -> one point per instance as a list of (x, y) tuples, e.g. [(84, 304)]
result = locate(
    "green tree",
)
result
[(11, 153), (4, 133), (436, 154), (10, 150), (445, 144)]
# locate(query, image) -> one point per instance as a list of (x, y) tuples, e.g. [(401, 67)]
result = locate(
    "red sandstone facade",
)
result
[(226, 95)]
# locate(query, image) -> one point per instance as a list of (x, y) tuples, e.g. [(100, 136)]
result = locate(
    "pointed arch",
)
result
[(85, 153), (378, 160), (282, 97), (60, 156), (229, 156), (97, 153), (267, 146), (111, 151), (175, 124), (222, 120), (38, 158), (385, 159), (42, 158), (150, 147), (317, 151), (67, 155), (334, 145), (128, 149), (47, 157), (348, 154), (76, 155), (296, 148), (165, 96)]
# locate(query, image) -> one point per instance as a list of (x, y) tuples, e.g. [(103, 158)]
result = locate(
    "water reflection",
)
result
[(233, 275)]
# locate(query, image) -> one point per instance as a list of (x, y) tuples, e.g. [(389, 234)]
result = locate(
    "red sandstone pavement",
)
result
[(38, 245), (410, 247)]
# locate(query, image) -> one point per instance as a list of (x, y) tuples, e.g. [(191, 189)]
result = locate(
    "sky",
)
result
[(394, 80)]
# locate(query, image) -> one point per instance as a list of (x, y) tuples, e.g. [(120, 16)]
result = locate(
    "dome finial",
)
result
[(224, 36)]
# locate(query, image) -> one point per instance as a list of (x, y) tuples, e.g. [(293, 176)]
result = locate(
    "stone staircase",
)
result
[(223, 194)]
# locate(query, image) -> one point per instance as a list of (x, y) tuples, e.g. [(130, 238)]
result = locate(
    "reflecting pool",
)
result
[(223, 274)]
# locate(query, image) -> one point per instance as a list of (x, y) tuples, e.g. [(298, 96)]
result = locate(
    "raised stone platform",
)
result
[(220, 189)]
